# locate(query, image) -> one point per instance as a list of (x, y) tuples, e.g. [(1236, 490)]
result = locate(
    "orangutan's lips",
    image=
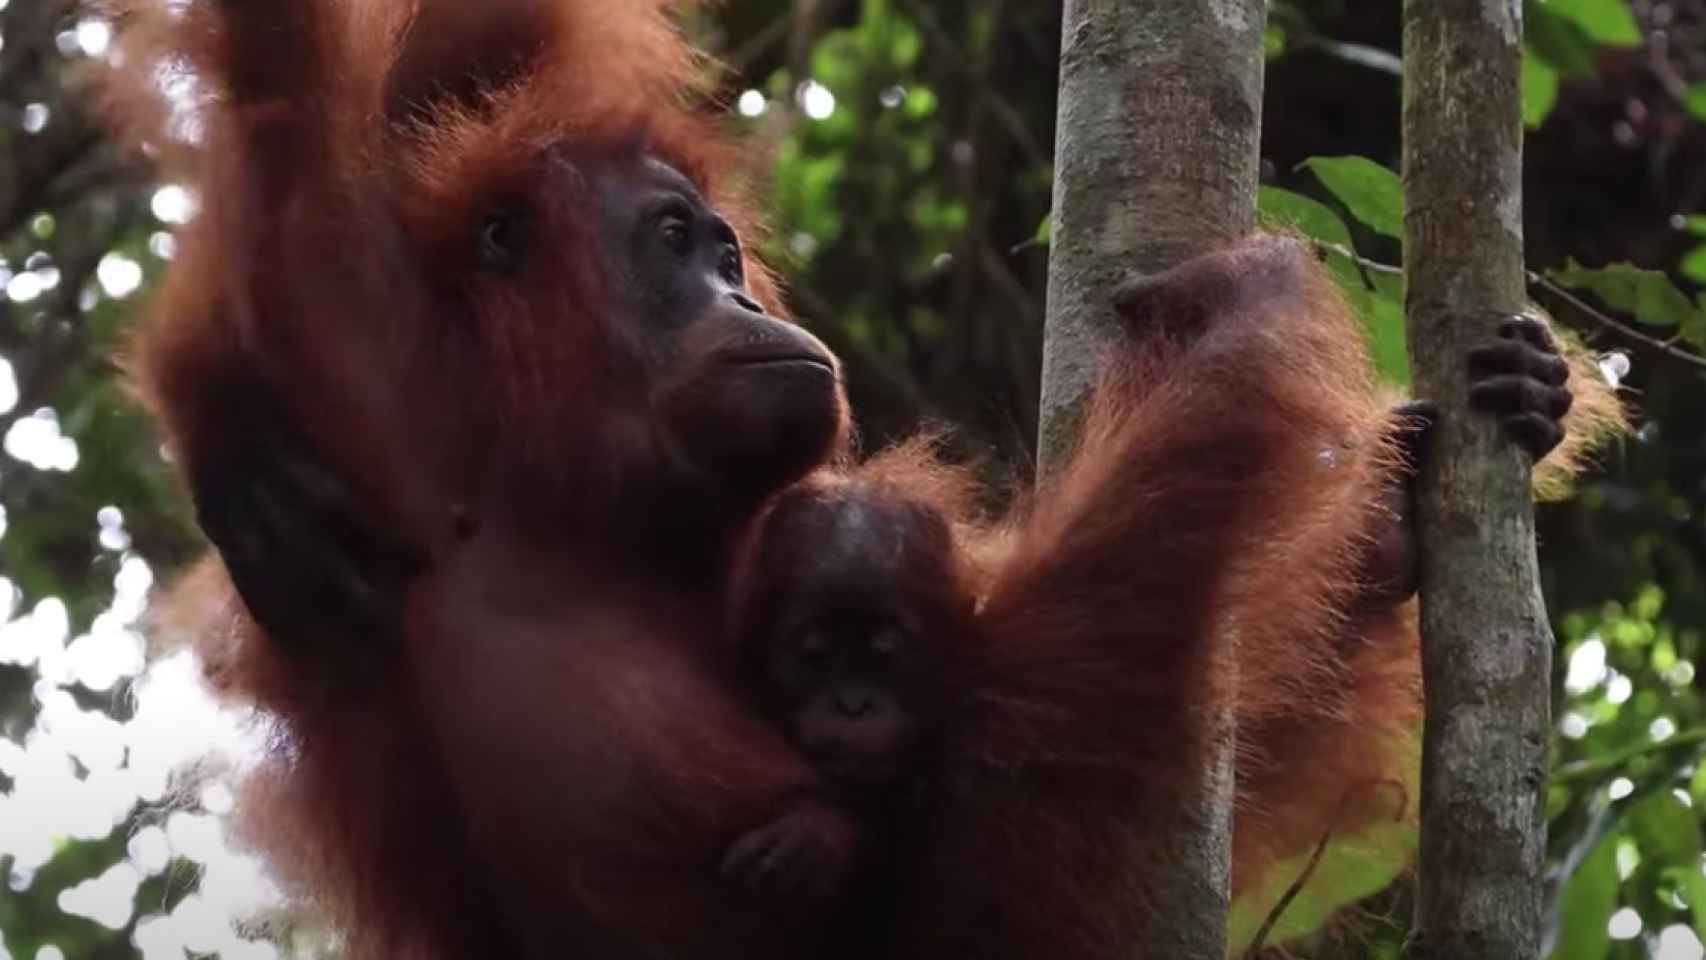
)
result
[(778, 359)]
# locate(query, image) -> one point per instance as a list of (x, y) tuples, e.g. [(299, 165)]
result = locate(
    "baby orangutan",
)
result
[(849, 606), (852, 615)]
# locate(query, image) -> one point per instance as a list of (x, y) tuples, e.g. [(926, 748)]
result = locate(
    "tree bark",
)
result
[(1156, 159), (1487, 647)]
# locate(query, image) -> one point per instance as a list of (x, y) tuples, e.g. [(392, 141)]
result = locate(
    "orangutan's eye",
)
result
[(501, 240), (729, 263), (730, 267), (676, 233)]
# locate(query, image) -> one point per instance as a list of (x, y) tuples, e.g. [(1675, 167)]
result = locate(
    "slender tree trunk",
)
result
[(1487, 648), (1156, 159)]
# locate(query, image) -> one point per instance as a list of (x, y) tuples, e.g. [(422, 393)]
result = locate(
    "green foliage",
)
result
[(1588, 900), (1563, 38), (1351, 868), (1376, 297), (1560, 41), (1372, 193), (1606, 22), (1625, 802), (1691, 887), (1693, 263), (1539, 88), (1284, 210), (1647, 295)]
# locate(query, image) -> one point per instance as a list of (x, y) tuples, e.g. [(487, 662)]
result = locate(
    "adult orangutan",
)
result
[(480, 397)]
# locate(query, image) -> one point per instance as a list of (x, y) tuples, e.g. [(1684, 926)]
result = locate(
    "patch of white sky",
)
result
[(167, 770)]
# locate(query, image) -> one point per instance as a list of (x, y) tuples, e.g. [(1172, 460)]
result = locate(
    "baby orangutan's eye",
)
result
[(814, 646), (887, 642)]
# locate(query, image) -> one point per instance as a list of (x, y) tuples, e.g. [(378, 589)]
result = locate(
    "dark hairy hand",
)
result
[(309, 568), (804, 854), (1520, 378), (1390, 570)]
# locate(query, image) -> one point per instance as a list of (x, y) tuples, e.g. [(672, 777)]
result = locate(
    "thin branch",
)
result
[(1373, 266), (755, 46), (1011, 288), (29, 31), (1609, 323), (1356, 54), (1011, 120), (1658, 46), (1261, 939), (1550, 286), (1601, 766)]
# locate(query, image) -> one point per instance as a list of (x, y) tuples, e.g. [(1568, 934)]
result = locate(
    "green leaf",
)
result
[(1354, 865), (1647, 294), (1692, 887), (1606, 22), (905, 45), (1385, 328), (1693, 264), (1666, 830), (920, 102), (1649, 602), (1695, 100), (1284, 210), (1539, 89), (1371, 192), (1381, 311), (1558, 40), (1589, 897), (1273, 41)]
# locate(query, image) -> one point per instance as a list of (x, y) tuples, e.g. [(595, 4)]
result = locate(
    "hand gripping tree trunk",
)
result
[(1156, 157), (1487, 646)]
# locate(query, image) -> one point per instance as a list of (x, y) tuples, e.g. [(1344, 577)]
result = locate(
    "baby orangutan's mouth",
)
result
[(849, 765)]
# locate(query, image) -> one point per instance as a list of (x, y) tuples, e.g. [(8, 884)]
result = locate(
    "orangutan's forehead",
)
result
[(658, 172)]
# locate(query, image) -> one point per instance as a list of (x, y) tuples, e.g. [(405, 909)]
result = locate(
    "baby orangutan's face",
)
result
[(843, 678)]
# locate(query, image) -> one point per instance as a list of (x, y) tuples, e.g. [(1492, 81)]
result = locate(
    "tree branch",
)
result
[(1556, 289), (1486, 642), (1149, 91)]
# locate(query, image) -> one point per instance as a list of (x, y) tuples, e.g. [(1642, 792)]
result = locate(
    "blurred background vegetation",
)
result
[(911, 144)]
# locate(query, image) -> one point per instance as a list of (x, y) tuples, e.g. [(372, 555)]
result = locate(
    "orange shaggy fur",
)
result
[(1102, 637)]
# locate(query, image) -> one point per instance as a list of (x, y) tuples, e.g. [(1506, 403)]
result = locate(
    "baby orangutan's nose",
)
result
[(854, 703)]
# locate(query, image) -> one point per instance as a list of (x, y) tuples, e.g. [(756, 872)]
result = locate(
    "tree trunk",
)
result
[(1156, 159), (1487, 648)]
